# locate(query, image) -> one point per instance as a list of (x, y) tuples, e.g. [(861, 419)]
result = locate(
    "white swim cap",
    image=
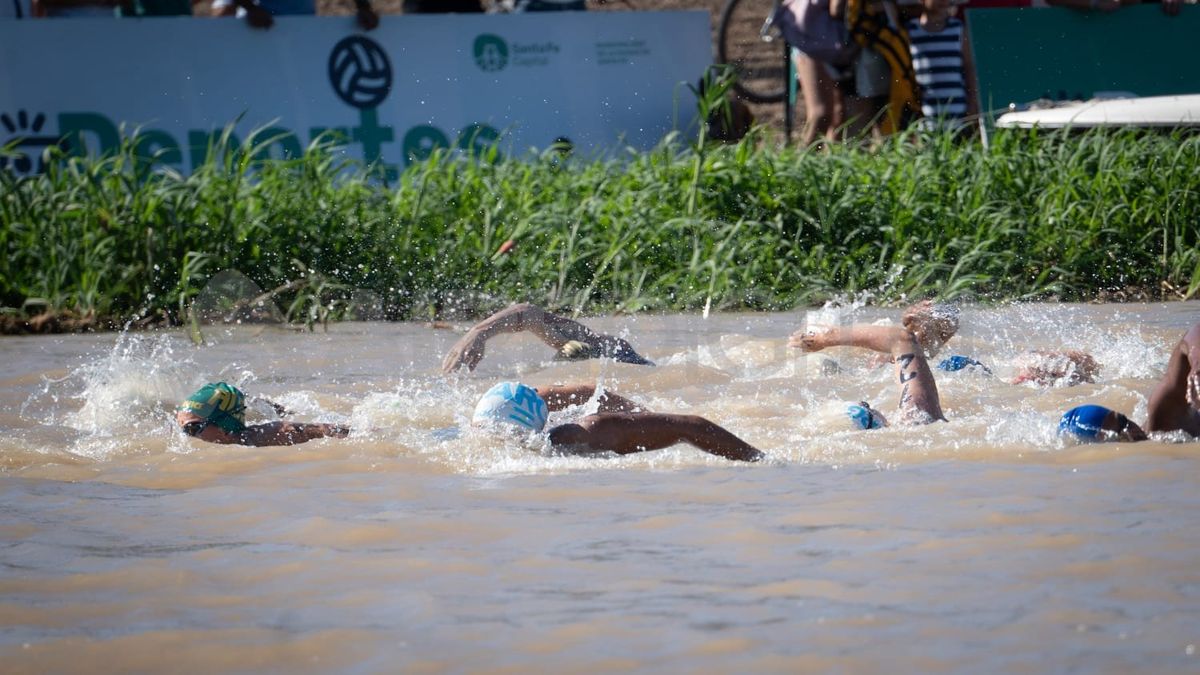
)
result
[(512, 403)]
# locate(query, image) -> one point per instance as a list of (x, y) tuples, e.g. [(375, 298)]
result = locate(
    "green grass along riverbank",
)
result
[(97, 242)]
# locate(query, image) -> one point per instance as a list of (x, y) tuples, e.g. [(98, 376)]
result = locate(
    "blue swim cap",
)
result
[(512, 403), (863, 417), (1085, 421), (958, 362)]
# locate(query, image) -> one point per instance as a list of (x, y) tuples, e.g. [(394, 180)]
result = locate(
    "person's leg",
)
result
[(1175, 400), (872, 82), (821, 112), (862, 115), (625, 433)]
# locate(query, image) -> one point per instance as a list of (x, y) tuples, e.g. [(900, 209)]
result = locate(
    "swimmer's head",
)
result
[(958, 362), (512, 404), (863, 416), (932, 324), (1097, 423), (1060, 368), (218, 403)]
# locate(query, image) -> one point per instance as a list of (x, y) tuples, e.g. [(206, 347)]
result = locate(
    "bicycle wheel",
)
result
[(759, 63)]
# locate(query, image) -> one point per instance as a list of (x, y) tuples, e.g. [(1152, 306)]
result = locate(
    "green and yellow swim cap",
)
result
[(222, 404)]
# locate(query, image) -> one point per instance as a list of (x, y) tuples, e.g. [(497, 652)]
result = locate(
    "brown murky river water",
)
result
[(988, 544)]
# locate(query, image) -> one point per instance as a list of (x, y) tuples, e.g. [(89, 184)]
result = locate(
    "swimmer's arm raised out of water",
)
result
[(554, 330), (625, 433), (1175, 402), (918, 391)]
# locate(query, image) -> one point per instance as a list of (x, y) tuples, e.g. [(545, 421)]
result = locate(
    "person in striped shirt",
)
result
[(937, 44)]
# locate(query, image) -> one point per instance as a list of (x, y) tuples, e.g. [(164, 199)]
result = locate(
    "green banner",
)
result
[(1025, 54)]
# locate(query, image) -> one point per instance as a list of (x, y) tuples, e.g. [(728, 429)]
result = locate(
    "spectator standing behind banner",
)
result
[(824, 57), (853, 61), (261, 13), (875, 26), (940, 60)]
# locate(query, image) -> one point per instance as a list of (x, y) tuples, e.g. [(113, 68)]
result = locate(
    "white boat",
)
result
[(1145, 111)]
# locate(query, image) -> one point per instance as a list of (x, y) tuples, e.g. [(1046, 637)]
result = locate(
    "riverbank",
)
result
[(1101, 215)]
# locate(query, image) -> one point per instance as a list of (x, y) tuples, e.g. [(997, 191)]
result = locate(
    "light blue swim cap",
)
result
[(1085, 421), (863, 417), (958, 362), (512, 403)]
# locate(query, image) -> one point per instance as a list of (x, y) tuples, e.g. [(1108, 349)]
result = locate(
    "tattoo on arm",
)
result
[(905, 360)]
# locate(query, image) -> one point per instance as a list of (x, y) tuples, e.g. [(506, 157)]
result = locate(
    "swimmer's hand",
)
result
[(622, 352), (279, 409), (807, 340), (468, 351), (575, 350)]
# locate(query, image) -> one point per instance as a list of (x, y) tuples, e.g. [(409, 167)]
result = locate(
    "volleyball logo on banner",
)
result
[(491, 53), (360, 72)]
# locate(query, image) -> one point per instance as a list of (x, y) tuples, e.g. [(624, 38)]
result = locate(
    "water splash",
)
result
[(140, 377)]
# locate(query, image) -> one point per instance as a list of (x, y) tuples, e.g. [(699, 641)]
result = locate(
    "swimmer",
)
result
[(217, 413), (619, 425), (1043, 368), (1069, 368), (570, 339), (933, 324), (1174, 404), (957, 362), (919, 403), (1097, 423)]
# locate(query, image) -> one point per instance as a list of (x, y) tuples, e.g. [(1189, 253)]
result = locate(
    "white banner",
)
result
[(597, 79)]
